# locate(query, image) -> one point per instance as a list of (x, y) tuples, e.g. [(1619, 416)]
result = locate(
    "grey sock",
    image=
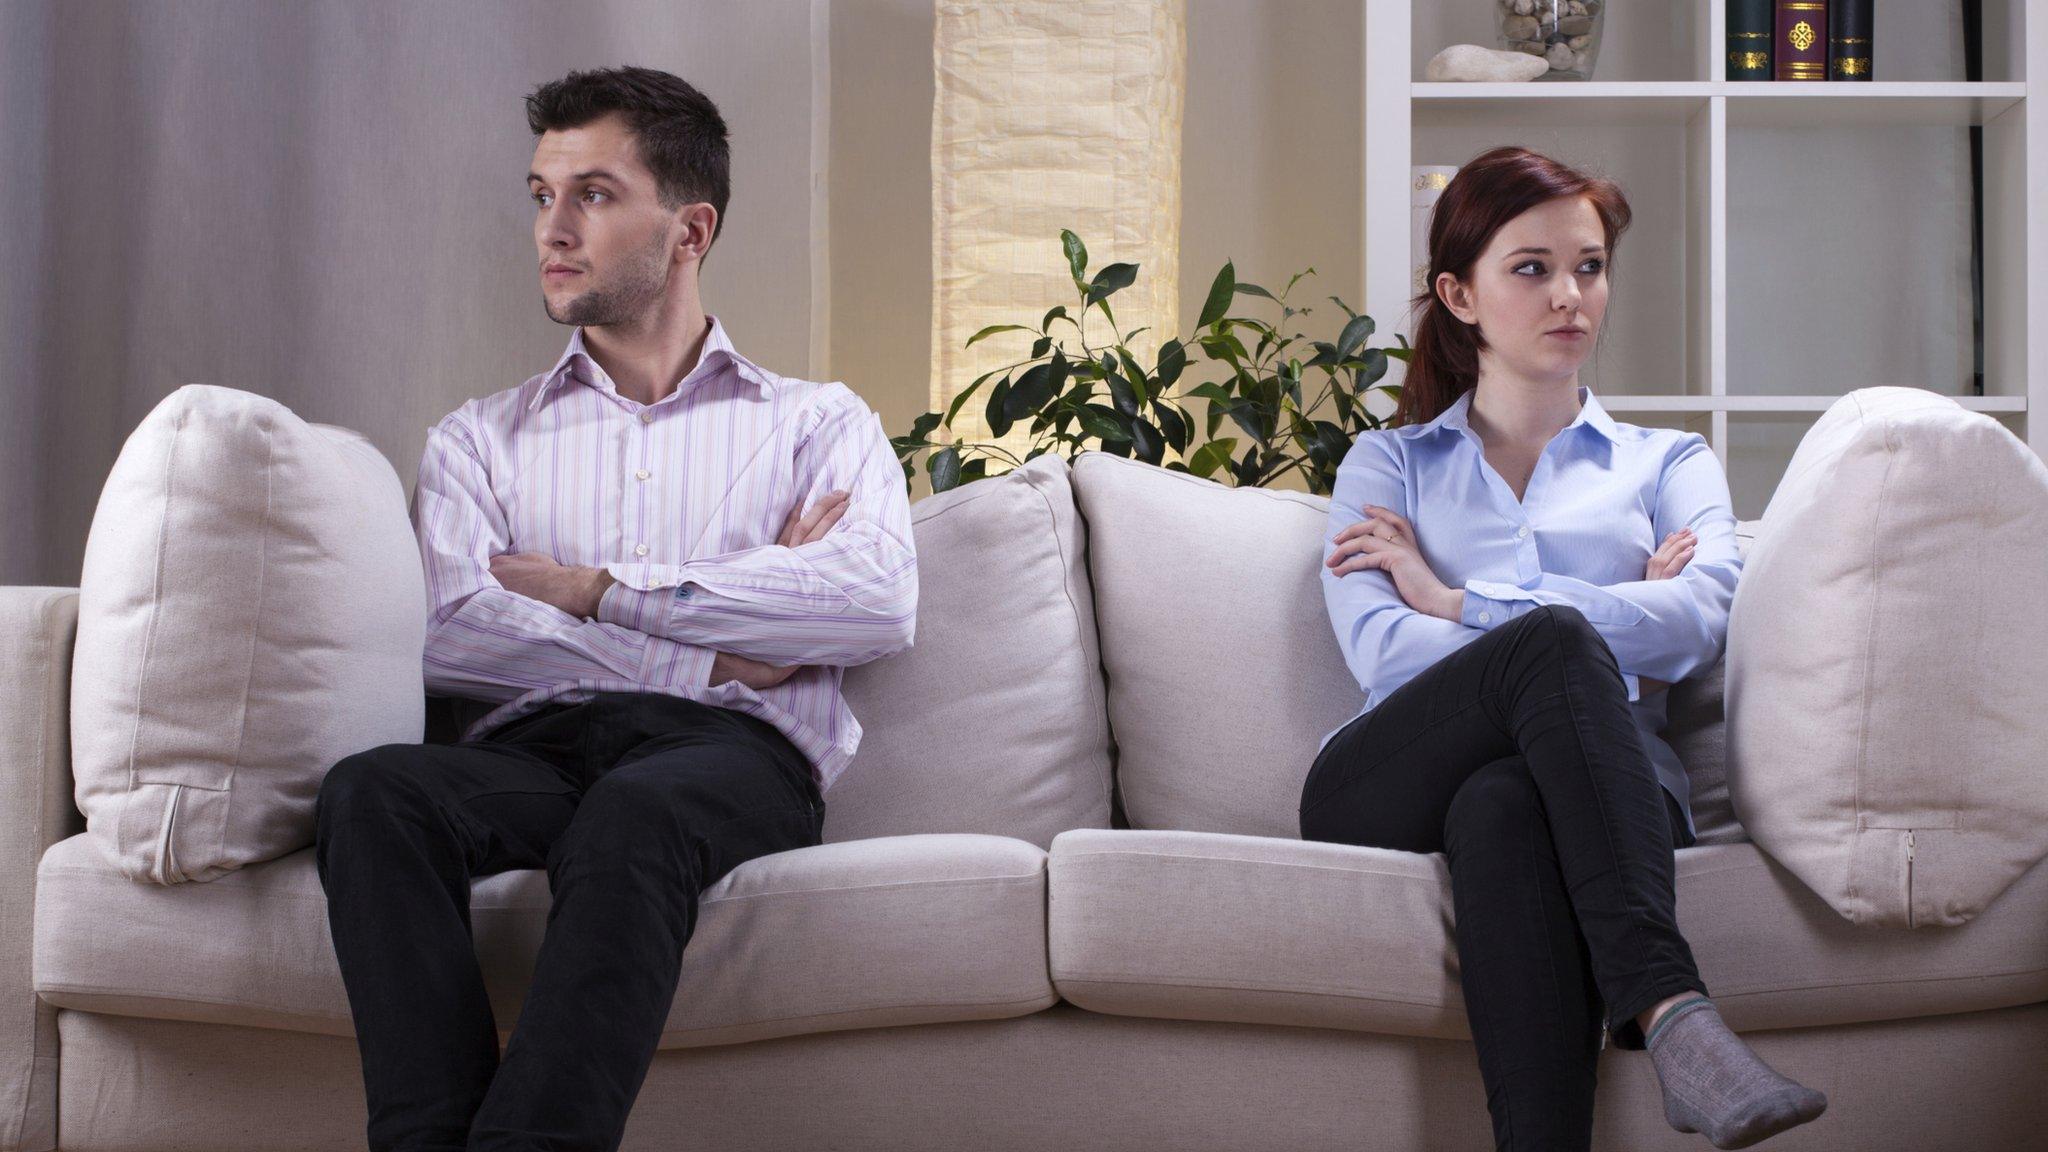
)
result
[(1715, 1085)]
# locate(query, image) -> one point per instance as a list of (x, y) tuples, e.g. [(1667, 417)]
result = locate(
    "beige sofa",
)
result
[(1004, 943)]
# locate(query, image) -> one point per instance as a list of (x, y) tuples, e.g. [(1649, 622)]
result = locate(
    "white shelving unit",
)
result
[(1664, 128)]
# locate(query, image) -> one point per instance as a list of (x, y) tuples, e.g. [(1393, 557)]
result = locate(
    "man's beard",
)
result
[(635, 290)]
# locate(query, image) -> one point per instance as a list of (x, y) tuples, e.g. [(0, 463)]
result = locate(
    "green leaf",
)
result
[(1211, 456), (1100, 421), (923, 425), (1255, 290), (975, 469), (1135, 373), (1077, 255), (992, 330), (998, 413), (1355, 331), (1056, 312), (944, 467), (1220, 292), (1112, 279), (1041, 346), (954, 409), (1122, 394), (1145, 441), (1173, 360), (1172, 425), (1210, 390)]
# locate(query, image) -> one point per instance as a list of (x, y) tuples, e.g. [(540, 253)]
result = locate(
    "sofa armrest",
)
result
[(37, 628)]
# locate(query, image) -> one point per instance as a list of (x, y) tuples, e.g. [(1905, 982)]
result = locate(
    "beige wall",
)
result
[(1270, 173), (322, 203)]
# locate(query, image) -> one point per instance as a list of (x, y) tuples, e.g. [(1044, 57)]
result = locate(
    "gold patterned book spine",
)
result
[(1749, 39), (1801, 46), (1849, 40)]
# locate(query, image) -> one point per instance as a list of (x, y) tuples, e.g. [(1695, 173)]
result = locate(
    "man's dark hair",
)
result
[(680, 133)]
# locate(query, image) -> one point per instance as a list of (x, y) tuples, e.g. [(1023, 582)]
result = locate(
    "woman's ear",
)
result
[(1456, 296)]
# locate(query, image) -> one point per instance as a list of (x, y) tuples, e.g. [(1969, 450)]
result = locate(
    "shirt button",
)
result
[(1485, 617), (642, 474), (646, 417), (1521, 532), (639, 549)]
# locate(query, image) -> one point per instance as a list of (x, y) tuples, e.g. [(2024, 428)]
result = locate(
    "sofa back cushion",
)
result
[(993, 720), (1886, 657), (1696, 728), (1223, 672), (251, 609)]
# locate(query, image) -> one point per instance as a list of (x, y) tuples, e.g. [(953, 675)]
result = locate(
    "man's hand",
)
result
[(796, 530), (1386, 541), (752, 673), (572, 588), (813, 525)]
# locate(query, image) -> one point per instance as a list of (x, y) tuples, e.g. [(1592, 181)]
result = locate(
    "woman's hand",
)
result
[(1667, 561), (1386, 541), (1672, 558)]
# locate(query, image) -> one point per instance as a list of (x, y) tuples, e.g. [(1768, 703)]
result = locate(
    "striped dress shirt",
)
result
[(682, 501), (1602, 498)]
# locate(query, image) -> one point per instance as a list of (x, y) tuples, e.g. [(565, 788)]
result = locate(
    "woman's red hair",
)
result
[(1491, 189)]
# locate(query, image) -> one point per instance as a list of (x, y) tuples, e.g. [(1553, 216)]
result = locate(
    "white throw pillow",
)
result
[(1887, 686), (251, 610), (993, 721)]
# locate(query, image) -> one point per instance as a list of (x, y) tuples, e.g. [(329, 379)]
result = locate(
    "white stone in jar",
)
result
[(1519, 27), (1579, 41), (1560, 56)]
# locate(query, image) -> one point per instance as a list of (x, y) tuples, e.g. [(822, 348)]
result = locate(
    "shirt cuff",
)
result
[(641, 609), (1480, 610)]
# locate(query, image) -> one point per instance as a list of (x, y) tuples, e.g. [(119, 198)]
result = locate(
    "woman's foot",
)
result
[(1715, 1085)]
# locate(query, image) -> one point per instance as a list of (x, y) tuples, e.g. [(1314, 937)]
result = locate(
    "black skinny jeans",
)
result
[(634, 803), (1517, 757)]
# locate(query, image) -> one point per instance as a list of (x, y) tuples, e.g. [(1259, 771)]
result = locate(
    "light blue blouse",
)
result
[(1601, 499)]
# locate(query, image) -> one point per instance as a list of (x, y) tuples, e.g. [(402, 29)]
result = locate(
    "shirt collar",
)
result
[(576, 363), (1590, 414)]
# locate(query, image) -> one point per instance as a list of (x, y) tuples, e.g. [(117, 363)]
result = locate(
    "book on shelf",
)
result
[(1749, 39), (1799, 49), (1849, 39), (1798, 40)]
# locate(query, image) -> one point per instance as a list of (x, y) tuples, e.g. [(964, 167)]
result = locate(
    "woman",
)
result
[(1494, 574)]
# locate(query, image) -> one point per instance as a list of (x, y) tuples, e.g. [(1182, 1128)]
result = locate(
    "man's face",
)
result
[(607, 246)]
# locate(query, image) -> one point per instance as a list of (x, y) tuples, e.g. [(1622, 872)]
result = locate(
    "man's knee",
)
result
[(374, 776)]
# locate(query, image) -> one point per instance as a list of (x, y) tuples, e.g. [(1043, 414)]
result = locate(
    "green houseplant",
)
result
[(1072, 394)]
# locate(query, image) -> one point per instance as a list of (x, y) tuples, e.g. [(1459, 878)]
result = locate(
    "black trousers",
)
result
[(1517, 757), (634, 803)]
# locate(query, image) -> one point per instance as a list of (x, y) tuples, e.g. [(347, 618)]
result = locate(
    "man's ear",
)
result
[(700, 224)]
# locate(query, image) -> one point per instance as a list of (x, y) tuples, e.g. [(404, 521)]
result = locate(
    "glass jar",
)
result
[(1565, 33)]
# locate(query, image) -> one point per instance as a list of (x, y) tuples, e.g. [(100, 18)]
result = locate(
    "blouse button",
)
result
[(1485, 616), (639, 549), (642, 474), (1521, 532), (646, 417)]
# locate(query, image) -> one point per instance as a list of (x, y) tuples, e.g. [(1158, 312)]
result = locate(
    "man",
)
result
[(616, 558)]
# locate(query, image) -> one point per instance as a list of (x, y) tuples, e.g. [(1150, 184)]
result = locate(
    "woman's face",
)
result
[(1544, 270)]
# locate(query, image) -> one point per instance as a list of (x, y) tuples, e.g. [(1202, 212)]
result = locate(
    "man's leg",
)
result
[(697, 791), (402, 831)]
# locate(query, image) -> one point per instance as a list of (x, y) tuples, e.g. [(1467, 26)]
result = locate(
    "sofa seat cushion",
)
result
[(864, 933), (1267, 930)]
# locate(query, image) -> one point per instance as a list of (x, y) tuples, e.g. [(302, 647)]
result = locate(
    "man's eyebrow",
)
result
[(1546, 251), (593, 174)]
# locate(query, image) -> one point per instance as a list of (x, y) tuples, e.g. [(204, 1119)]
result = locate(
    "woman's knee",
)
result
[(1492, 802)]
